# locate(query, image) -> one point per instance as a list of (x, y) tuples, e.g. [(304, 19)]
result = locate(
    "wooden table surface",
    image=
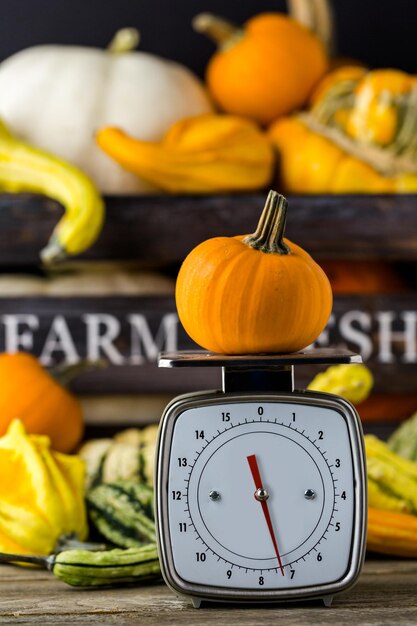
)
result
[(385, 594)]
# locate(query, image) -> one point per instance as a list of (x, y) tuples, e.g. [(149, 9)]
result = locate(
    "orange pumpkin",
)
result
[(266, 69), (29, 393), (255, 293)]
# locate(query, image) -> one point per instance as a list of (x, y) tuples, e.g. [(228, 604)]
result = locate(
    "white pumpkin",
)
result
[(56, 97)]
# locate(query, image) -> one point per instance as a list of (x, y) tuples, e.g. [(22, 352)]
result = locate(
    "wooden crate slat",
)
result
[(163, 229), (383, 326)]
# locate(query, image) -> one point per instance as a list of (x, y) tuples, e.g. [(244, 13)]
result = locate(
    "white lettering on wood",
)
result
[(59, 340), (166, 337), (357, 336), (101, 343), (388, 337), (13, 340)]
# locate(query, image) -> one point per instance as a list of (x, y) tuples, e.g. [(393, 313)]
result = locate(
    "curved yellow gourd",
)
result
[(24, 168), (200, 154)]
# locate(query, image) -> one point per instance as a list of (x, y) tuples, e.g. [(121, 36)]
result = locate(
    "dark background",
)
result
[(381, 33)]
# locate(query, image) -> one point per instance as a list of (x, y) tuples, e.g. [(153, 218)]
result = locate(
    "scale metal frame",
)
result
[(259, 378)]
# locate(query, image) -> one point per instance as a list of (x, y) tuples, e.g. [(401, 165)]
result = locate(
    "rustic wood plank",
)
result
[(385, 594), (361, 322), (107, 414), (141, 409), (163, 229), (129, 410)]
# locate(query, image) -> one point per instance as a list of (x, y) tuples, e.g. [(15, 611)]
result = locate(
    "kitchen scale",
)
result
[(261, 490)]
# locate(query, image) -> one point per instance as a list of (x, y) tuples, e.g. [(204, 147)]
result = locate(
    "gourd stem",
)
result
[(64, 374), (44, 561), (385, 161), (224, 33), (269, 234), (125, 40), (70, 542)]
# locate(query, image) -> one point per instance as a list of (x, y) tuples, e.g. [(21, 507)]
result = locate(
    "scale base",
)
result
[(197, 602)]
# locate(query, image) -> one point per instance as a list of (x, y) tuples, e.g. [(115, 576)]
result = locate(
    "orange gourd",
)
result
[(392, 533), (266, 69), (201, 154), (255, 293), (29, 393)]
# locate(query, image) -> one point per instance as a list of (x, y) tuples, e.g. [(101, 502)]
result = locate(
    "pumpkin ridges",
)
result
[(249, 272), (282, 294), (210, 305), (300, 291), (219, 306), (258, 301), (320, 279), (231, 327)]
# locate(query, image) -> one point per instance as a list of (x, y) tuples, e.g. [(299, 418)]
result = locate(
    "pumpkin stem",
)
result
[(224, 33), (317, 16), (64, 374), (125, 40), (269, 234)]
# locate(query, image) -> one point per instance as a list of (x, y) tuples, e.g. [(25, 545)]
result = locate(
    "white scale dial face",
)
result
[(261, 495)]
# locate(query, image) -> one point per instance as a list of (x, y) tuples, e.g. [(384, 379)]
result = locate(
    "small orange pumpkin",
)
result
[(255, 293), (29, 393), (266, 69)]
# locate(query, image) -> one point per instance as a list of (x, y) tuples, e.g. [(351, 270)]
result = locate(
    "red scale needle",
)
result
[(253, 464)]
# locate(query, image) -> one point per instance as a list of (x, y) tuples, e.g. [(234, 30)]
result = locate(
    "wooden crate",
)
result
[(159, 231), (163, 229)]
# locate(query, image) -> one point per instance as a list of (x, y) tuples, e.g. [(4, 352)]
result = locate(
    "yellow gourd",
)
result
[(25, 168), (201, 154), (392, 475), (360, 135), (353, 382), (41, 493), (392, 499), (312, 163)]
